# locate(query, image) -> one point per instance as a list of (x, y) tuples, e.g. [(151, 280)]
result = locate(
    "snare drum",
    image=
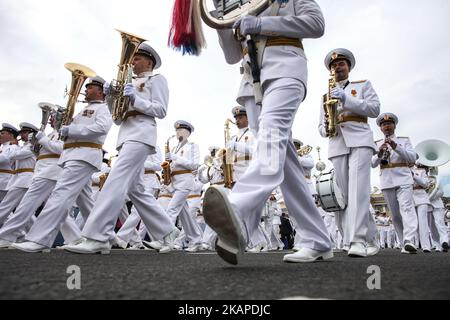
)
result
[(329, 194)]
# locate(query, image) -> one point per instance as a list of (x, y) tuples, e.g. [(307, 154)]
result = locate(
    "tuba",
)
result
[(47, 110), (166, 172), (330, 106), (79, 75), (433, 154), (229, 11), (130, 45)]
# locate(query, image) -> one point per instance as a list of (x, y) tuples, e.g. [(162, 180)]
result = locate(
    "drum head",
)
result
[(329, 194)]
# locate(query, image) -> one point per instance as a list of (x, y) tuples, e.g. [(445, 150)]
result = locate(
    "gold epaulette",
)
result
[(361, 81)]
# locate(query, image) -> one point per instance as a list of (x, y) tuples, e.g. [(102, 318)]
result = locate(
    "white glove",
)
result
[(171, 157), (106, 89), (338, 93), (129, 91), (40, 135), (248, 25), (64, 131), (231, 145), (30, 136)]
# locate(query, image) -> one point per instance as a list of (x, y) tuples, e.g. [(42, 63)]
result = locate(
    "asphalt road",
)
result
[(181, 276)]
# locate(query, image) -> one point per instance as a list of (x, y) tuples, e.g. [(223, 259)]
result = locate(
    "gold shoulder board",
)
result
[(361, 81)]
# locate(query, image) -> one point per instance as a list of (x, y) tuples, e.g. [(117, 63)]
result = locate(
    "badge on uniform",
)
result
[(354, 93), (141, 87), (88, 113), (182, 152), (246, 139)]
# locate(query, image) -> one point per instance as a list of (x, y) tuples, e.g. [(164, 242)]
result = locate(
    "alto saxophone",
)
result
[(330, 106), (225, 155), (166, 172)]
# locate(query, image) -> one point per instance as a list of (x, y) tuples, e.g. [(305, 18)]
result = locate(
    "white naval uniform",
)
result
[(18, 185), (183, 184), (136, 141), (271, 221), (6, 167), (438, 228), (128, 231), (350, 151), (284, 80), (214, 176), (422, 202), (243, 152), (397, 184), (78, 164)]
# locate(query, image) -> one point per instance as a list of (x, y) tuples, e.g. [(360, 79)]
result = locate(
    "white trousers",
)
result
[(2, 194), (179, 207), (276, 164), (10, 202), (401, 204), (437, 226), (424, 229), (353, 178), (72, 187), (127, 177)]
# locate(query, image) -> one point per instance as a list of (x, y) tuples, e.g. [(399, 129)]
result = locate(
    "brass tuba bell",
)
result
[(79, 75), (229, 11), (130, 45)]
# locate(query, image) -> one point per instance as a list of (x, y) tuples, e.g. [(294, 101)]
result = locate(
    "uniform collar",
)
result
[(243, 130), (343, 83), (145, 74), (96, 102)]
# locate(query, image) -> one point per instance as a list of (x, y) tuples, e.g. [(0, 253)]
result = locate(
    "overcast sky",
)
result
[(400, 46)]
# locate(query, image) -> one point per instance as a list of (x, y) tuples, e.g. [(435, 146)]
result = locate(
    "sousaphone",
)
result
[(229, 11)]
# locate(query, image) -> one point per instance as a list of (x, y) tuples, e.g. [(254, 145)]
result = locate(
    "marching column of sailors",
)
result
[(68, 170)]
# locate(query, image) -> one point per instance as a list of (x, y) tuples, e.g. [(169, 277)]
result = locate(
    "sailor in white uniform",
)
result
[(396, 179), (283, 80), (422, 203), (351, 150), (82, 156), (18, 185), (46, 173), (438, 219), (185, 159), (8, 145), (149, 97)]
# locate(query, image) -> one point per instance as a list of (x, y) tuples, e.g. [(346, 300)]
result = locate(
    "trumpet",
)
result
[(47, 110)]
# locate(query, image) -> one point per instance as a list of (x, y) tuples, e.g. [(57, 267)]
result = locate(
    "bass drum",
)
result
[(329, 194)]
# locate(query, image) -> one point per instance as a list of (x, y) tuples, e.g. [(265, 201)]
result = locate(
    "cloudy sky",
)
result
[(399, 45)]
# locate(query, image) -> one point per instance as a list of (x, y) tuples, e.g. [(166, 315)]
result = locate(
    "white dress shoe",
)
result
[(4, 244), (220, 216), (357, 250), (193, 249), (153, 245), (296, 248), (30, 247), (372, 249), (169, 241), (122, 244), (308, 255), (89, 246), (136, 246), (410, 247)]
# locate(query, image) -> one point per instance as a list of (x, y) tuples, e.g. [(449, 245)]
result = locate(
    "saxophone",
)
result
[(130, 45), (303, 151), (166, 173), (330, 106), (225, 155)]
